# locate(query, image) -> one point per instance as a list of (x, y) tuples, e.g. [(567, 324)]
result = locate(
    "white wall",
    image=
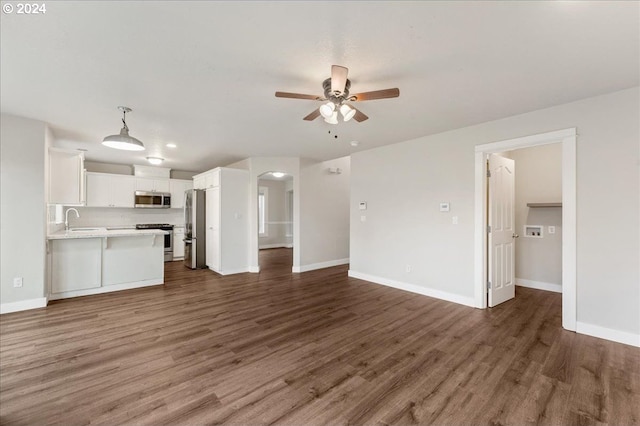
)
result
[(324, 213), (538, 179), (23, 144), (403, 184), (276, 215)]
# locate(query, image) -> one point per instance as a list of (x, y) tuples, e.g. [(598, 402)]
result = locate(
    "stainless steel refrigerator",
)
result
[(194, 229)]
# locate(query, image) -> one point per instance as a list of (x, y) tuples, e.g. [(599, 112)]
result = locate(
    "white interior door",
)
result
[(501, 232)]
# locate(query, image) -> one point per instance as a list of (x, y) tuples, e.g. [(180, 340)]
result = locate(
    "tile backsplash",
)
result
[(113, 217)]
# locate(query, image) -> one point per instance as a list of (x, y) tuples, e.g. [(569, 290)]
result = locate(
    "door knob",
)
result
[(515, 236)]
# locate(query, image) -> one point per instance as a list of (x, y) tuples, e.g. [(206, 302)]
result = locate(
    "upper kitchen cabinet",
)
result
[(207, 180), (109, 190), (177, 187), (66, 177), (152, 185)]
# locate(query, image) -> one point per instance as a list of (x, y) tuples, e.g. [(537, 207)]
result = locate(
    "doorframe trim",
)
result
[(568, 138)]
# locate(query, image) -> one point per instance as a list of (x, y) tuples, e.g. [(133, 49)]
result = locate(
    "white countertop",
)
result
[(102, 233)]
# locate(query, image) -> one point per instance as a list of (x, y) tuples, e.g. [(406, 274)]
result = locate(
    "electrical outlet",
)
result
[(552, 229), (17, 282), (454, 220), (407, 268)]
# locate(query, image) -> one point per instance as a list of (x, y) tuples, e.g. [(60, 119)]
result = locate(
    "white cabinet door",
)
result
[(122, 190), (161, 185), (178, 243), (212, 178), (152, 185), (76, 264), (107, 190), (177, 188), (98, 190), (66, 177), (145, 184), (199, 182)]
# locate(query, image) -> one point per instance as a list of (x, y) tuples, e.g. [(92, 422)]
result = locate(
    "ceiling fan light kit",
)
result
[(123, 140), (333, 118), (336, 92)]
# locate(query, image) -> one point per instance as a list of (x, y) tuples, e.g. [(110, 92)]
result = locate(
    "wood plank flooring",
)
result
[(306, 349)]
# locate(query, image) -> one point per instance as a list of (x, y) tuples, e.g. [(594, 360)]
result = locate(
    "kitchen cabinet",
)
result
[(227, 236), (207, 180), (152, 185), (66, 177), (177, 188), (110, 190), (178, 243)]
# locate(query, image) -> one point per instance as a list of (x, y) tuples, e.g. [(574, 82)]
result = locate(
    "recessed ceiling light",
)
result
[(354, 143), (172, 145), (277, 174), (155, 160)]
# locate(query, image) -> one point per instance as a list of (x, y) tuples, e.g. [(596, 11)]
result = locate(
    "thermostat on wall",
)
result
[(363, 205), (444, 207)]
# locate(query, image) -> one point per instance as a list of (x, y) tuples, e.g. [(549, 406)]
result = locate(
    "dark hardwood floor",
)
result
[(305, 349)]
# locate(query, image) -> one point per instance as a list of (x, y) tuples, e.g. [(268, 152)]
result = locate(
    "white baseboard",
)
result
[(23, 305), (107, 289), (270, 246), (608, 334), (539, 285), (438, 294), (320, 265), (254, 269), (232, 271)]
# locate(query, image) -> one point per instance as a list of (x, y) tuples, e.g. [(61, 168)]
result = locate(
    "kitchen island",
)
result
[(84, 261)]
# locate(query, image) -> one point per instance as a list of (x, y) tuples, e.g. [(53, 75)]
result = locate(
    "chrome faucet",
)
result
[(66, 218)]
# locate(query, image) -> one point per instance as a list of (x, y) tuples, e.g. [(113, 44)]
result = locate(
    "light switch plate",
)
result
[(362, 205), (444, 207)]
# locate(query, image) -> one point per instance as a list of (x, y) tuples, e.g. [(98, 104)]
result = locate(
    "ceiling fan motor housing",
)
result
[(336, 98)]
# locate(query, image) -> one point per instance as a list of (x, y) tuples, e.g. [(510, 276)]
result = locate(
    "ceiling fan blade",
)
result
[(376, 94), (315, 114), (338, 79), (359, 117), (297, 96)]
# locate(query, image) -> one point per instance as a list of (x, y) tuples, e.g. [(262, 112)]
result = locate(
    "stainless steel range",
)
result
[(168, 238)]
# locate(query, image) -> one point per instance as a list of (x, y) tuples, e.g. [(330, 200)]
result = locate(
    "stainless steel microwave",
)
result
[(152, 200)]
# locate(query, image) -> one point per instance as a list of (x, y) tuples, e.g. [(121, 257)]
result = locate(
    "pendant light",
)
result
[(123, 140)]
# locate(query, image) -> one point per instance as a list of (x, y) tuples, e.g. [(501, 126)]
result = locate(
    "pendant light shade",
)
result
[(123, 140)]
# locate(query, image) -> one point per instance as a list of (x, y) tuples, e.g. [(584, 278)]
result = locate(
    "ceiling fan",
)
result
[(336, 92)]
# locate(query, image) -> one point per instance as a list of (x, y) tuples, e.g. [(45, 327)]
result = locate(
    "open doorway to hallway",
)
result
[(275, 221)]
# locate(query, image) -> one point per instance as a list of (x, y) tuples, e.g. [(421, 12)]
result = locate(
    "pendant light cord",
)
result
[(124, 120)]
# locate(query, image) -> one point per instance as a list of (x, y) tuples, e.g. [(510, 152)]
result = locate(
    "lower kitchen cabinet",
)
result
[(178, 243)]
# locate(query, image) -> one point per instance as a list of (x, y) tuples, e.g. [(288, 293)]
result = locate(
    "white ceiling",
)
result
[(203, 74)]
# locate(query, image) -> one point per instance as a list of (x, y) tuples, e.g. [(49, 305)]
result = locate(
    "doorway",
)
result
[(567, 138), (275, 221)]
